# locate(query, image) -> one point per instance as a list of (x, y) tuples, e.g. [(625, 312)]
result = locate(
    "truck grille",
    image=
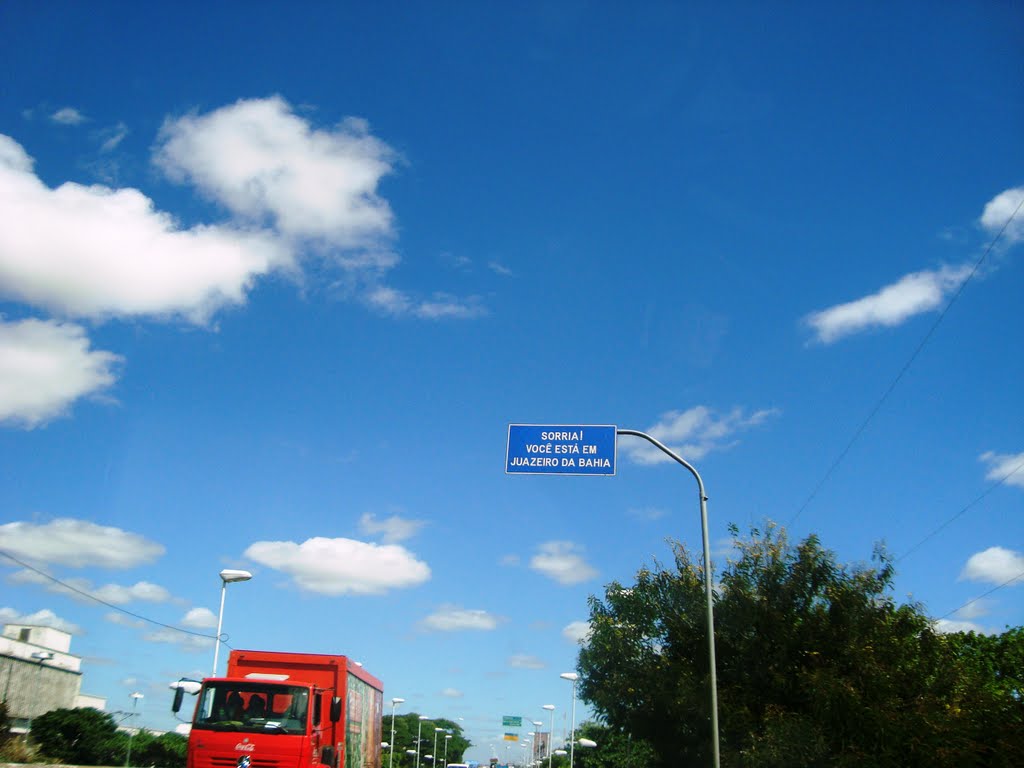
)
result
[(231, 761)]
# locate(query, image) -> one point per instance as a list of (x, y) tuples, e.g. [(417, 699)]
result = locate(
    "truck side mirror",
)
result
[(179, 696), (316, 709), (335, 709)]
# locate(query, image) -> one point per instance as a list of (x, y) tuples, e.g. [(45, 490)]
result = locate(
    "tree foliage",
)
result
[(817, 666), (615, 748), (76, 736), (406, 728), (90, 737)]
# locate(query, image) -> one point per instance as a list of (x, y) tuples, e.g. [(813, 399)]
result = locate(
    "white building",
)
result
[(38, 673)]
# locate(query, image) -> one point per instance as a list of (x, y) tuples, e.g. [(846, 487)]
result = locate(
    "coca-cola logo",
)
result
[(243, 746)]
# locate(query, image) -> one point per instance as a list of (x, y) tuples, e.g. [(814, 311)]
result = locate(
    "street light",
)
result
[(572, 677), (447, 737), (708, 586), (227, 576), (394, 703), (419, 741), (537, 743), (551, 736), (135, 696), (436, 731)]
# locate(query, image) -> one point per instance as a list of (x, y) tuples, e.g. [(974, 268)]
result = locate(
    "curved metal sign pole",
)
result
[(709, 594)]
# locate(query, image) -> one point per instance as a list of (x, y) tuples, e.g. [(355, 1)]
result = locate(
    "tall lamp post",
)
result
[(135, 696), (394, 703), (551, 735), (436, 731), (538, 742), (419, 740), (227, 576), (447, 738), (572, 677), (708, 587)]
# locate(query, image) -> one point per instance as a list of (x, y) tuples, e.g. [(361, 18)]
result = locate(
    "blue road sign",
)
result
[(546, 449)]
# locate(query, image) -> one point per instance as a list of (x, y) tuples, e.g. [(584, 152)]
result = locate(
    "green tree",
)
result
[(167, 750), (817, 666), (615, 748), (406, 728), (76, 736)]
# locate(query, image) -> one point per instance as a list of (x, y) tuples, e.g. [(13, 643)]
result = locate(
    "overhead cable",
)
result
[(906, 366), (93, 597)]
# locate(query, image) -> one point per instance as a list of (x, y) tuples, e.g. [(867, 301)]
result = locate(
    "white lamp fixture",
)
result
[(227, 576)]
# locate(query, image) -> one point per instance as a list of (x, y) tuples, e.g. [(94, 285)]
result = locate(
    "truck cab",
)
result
[(285, 710)]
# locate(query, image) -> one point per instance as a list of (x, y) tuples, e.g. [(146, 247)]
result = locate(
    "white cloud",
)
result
[(78, 544), (192, 643), (342, 566), (42, 618), (998, 211), (577, 631), (892, 305), (693, 433), (68, 116), (947, 626), (123, 620), (647, 513), (995, 565), (974, 610), (396, 303), (83, 589), (200, 618), (394, 528), (46, 366), (96, 252), (452, 693), (1005, 465), (111, 137), (509, 560), (452, 618), (525, 661), (559, 560), (258, 158), (316, 186), (140, 591)]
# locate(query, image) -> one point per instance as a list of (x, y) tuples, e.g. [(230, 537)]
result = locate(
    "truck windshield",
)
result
[(251, 706)]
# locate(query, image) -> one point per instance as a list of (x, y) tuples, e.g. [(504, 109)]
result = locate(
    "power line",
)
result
[(985, 493), (906, 366), (93, 597), (979, 597)]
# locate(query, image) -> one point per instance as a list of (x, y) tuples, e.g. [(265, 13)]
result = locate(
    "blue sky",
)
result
[(274, 281)]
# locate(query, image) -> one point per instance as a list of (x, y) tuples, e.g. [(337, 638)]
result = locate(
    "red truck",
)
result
[(286, 710)]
